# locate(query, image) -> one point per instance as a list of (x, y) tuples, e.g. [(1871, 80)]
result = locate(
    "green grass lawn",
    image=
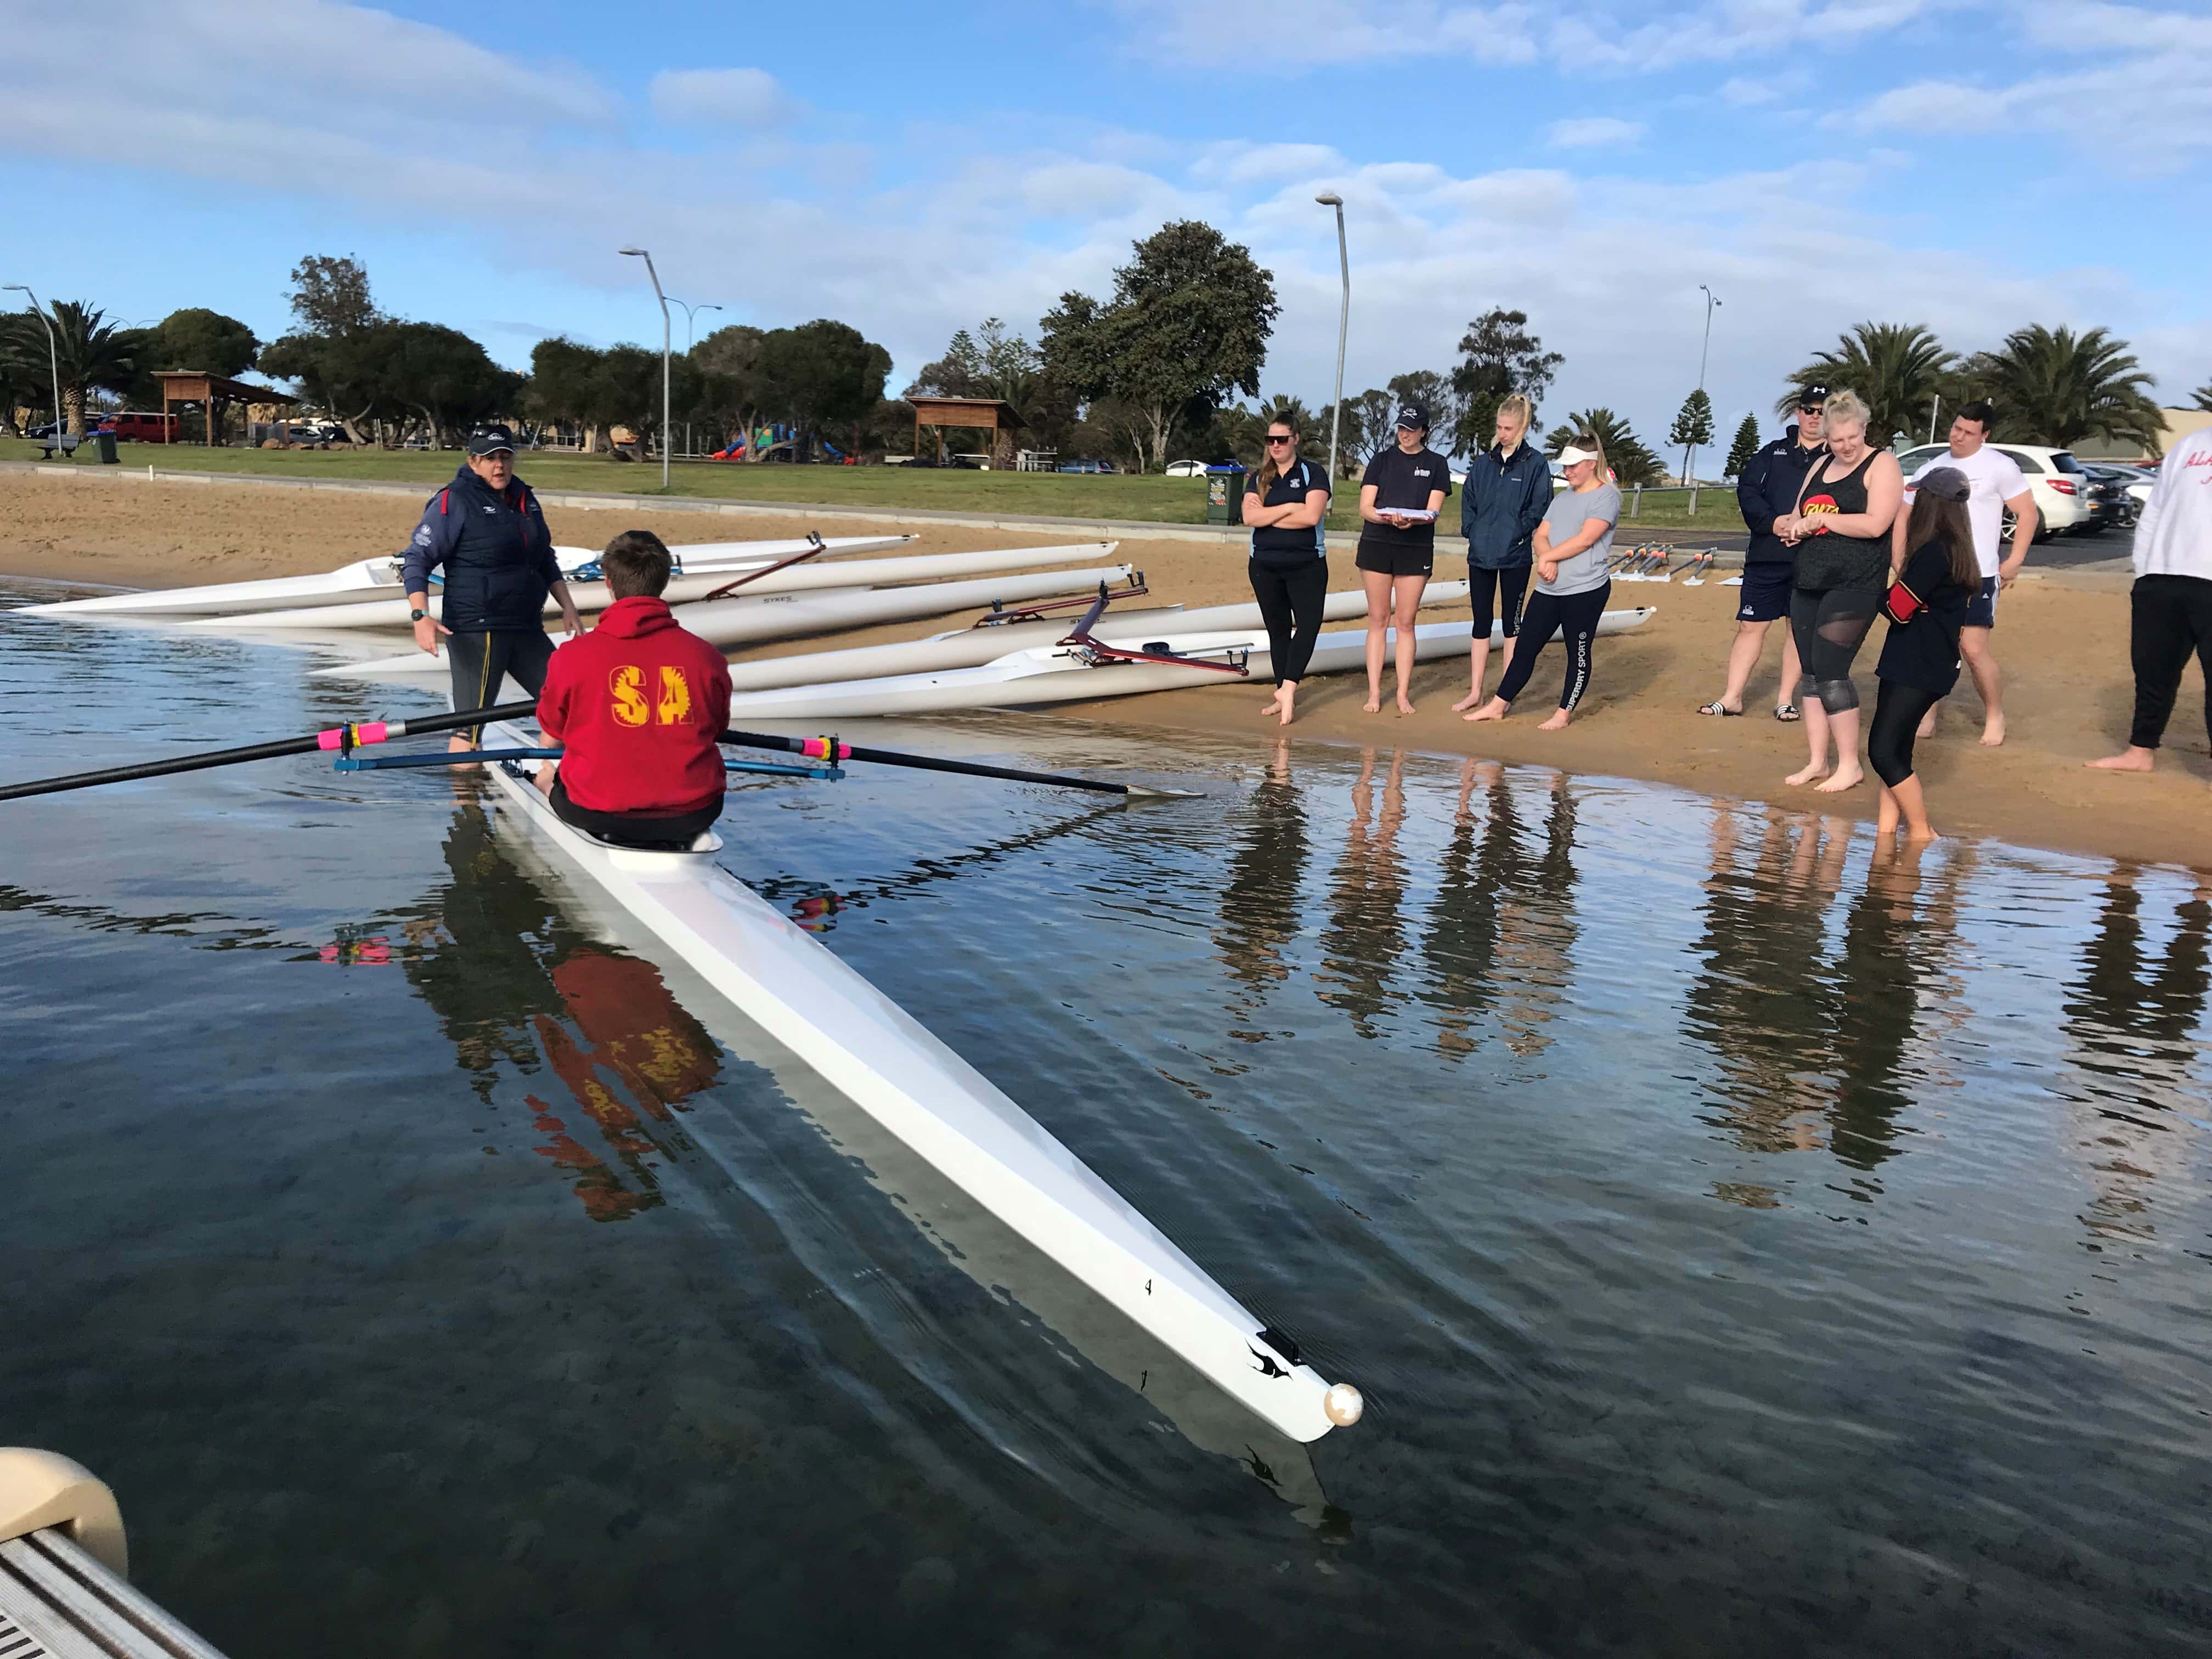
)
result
[(1121, 497)]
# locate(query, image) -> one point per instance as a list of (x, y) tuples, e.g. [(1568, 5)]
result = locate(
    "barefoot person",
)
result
[(1571, 546), (1509, 490), (1285, 502), (1930, 592), (489, 533), (2170, 607), (1841, 531), (636, 705), (1399, 495), (1998, 485), (1767, 491)]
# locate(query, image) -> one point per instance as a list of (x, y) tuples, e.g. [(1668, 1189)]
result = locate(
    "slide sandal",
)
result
[(1787, 713), (1718, 708)]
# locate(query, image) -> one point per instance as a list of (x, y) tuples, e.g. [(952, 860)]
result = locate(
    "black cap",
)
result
[(1413, 417), (1815, 393), (491, 441), (1945, 483)]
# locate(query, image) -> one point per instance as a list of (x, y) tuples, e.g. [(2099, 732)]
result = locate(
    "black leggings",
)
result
[(2169, 617), (479, 664), (1829, 625), (1898, 712), (1290, 598), (1508, 586), (1574, 615)]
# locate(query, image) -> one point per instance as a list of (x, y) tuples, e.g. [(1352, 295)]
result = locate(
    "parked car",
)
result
[(1186, 469), (1086, 466), (2135, 482), (132, 426), (2058, 483)]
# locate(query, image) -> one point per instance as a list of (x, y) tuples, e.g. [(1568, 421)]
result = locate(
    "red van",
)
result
[(143, 428)]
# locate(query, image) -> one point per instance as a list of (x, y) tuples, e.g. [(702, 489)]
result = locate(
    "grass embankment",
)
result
[(1114, 496)]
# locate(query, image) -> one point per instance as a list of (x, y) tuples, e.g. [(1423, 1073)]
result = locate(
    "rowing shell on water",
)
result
[(747, 621), (971, 647), (815, 577), (373, 579), (1060, 673), (880, 1057)]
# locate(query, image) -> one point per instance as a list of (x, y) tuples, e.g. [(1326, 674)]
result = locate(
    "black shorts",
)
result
[(479, 662), (1982, 609), (1765, 596), (1397, 561), (673, 834)]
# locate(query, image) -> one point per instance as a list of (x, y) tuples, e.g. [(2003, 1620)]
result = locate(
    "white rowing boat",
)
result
[(748, 621), (1061, 673), (880, 1058), (816, 576), (373, 579), (971, 647)]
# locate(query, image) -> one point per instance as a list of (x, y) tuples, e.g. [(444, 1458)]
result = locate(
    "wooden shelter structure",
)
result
[(216, 394), (992, 415)]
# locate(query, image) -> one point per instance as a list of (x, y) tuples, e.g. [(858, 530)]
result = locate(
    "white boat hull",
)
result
[(936, 1103), (371, 579), (971, 647), (749, 621), (1049, 675), (816, 576)]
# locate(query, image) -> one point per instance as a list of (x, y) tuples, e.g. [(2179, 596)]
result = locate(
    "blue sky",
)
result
[(1974, 166)]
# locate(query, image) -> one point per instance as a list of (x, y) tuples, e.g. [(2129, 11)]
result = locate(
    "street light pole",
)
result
[(1704, 353), (689, 312), (1329, 198), (53, 356), (639, 253)]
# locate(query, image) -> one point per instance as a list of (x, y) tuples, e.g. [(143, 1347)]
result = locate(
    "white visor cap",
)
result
[(1569, 455)]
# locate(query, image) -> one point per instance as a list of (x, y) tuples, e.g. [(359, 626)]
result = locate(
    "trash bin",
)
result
[(1225, 494), (106, 441)]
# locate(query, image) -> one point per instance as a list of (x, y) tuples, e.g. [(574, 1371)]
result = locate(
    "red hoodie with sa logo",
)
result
[(637, 704)]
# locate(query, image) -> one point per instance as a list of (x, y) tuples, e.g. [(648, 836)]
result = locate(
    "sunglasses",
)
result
[(1273, 440)]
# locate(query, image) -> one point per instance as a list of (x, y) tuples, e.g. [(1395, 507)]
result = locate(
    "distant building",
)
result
[(2179, 423)]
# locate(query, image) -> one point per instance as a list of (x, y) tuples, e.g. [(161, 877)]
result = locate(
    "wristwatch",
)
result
[(416, 616)]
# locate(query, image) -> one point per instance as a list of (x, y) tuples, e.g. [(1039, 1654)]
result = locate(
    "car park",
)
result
[(2134, 482), (2058, 483)]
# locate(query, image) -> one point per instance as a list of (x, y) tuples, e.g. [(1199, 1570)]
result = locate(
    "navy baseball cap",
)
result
[(1413, 418), (1814, 395), (1946, 484), (491, 441)]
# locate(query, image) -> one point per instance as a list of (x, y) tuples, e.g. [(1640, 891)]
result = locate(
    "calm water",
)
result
[(1741, 1250)]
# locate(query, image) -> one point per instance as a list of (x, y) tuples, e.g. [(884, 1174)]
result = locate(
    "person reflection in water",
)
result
[(1365, 934), (2133, 1016), (1262, 904)]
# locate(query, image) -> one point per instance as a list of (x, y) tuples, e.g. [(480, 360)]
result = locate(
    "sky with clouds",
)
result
[(1974, 165)]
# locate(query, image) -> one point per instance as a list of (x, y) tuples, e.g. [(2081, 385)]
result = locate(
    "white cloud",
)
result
[(720, 98), (1595, 132)]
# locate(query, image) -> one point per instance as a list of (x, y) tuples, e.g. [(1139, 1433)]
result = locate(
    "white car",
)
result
[(1186, 469), (2059, 483)]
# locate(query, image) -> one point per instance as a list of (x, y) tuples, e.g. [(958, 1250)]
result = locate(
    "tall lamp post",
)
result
[(1329, 198), (690, 312), (53, 356), (1690, 450), (639, 253)]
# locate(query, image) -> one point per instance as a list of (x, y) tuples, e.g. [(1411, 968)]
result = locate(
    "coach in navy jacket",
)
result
[(1772, 482)]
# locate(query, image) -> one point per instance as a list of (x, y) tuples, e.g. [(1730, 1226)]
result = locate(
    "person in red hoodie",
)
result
[(636, 705)]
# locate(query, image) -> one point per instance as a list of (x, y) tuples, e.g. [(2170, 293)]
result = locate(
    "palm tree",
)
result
[(1632, 462), (2054, 386), (1899, 369), (2203, 395), (92, 355)]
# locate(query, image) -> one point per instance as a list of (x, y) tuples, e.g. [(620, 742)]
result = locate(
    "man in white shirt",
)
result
[(1997, 483), (2170, 607)]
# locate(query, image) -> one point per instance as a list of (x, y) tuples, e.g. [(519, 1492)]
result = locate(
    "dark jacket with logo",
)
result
[(1501, 506), (1768, 489), (496, 551)]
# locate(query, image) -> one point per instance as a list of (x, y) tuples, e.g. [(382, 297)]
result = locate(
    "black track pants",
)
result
[(1290, 598), (2169, 617), (1575, 617)]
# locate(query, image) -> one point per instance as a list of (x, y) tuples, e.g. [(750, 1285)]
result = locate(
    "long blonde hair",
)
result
[(1588, 440), (1268, 471)]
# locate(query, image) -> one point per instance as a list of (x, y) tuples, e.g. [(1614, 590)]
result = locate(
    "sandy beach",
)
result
[(2062, 637)]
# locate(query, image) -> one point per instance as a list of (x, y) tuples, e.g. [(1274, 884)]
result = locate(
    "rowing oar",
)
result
[(343, 738), (817, 546), (830, 749)]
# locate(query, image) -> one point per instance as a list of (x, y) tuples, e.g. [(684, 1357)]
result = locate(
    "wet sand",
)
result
[(2062, 639)]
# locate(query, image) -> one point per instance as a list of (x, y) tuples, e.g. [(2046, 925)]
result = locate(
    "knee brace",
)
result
[(1837, 696)]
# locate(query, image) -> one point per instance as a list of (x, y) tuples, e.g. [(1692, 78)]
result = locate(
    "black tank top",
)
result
[(1827, 560)]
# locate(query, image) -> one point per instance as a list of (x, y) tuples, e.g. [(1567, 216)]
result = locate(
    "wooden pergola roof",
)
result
[(991, 415), (194, 385)]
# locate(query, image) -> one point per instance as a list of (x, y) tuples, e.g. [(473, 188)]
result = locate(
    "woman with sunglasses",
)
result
[(1398, 497), (1285, 504)]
